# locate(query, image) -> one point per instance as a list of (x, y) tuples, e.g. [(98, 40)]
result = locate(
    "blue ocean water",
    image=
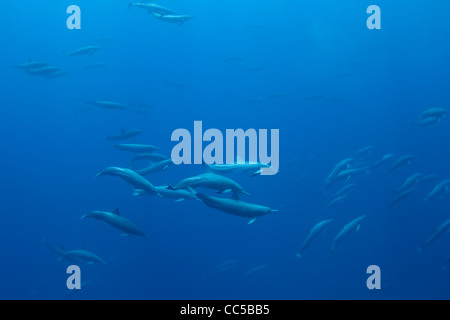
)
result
[(311, 69)]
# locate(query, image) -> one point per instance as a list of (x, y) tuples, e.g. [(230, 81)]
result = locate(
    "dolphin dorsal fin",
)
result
[(116, 212), (235, 196), (169, 187)]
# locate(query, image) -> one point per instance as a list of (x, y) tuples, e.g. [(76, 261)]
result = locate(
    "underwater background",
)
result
[(311, 69)]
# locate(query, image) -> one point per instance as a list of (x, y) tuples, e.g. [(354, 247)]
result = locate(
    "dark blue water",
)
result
[(343, 87)]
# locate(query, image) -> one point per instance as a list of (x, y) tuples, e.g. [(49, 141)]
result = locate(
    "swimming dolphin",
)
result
[(168, 192), (427, 121), (31, 65), (139, 148), (73, 255), (131, 177), (235, 206), (117, 221), (438, 189), (344, 190), (44, 71), (81, 256), (108, 105), (383, 160), (152, 8), (155, 167), (83, 51), (433, 112), (213, 181), (254, 168), (443, 228), (173, 18), (123, 135), (312, 234), (348, 173), (405, 160), (342, 165), (363, 151), (150, 156), (409, 182), (353, 225), (336, 200), (402, 195)]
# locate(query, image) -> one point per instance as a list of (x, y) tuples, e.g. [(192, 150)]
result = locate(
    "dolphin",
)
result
[(363, 151), (342, 165), (432, 113), (235, 206), (168, 192), (312, 234), (409, 182), (353, 225), (405, 160), (131, 177), (73, 255), (211, 181), (155, 167), (108, 105), (117, 221), (31, 65), (336, 200), (347, 174), (152, 8), (402, 195), (138, 148), (83, 51), (443, 228), (173, 18), (44, 71), (383, 160), (150, 156), (344, 190), (254, 168), (125, 135), (81, 256), (438, 189), (427, 121)]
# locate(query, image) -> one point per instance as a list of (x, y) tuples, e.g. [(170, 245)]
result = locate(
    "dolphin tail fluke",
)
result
[(83, 217)]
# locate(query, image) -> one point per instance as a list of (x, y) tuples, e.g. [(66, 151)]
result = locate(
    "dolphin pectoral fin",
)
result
[(251, 221), (225, 191), (298, 255), (357, 228), (257, 173), (179, 200), (274, 210), (159, 195)]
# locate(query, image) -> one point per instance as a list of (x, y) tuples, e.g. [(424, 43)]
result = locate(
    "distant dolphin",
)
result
[(433, 112), (383, 160), (169, 193), (73, 255), (409, 182), (402, 161), (139, 148), (30, 65), (211, 180), (81, 256), (173, 18), (234, 206), (443, 228), (341, 166), (402, 195), (152, 8), (353, 225), (155, 167), (117, 221), (438, 189), (312, 234), (254, 168), (83, 51), (150, 156), (108, 105), (125, 135), (44, 71), (131, 177)]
